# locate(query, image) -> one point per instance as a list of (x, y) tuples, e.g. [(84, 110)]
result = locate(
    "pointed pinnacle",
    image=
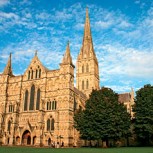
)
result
[(36, 52), (8, 68), (67, 56)]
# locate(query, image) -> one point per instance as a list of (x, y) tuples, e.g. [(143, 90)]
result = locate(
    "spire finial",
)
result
[(87, 16), (36, 52), (68, 43)]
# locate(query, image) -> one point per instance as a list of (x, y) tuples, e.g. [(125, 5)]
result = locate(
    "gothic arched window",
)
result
[(47, 105), (9, 126), (28, 75), (38, 99), (39, 73), (36, 73), (83, 85), (52, 124), (32, 97), (32, 74), (87, 84), (50, 105), (53, 105), (26, 100), (48, 125), (82, 68)]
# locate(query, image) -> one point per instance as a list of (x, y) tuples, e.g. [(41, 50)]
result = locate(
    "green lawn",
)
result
[(75, 150)]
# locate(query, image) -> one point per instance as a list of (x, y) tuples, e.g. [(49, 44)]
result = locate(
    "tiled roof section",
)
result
[(125, 97), (79, 93)]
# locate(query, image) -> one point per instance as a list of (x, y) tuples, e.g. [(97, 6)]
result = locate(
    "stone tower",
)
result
[(87, 75)]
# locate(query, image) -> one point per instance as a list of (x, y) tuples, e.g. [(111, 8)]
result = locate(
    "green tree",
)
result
[(104, 118), (143, 122)]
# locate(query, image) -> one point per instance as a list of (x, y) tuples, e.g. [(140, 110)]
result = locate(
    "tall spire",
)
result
[(87, 32), (8, 68), (67, 59), (87, 73), (87, 45)]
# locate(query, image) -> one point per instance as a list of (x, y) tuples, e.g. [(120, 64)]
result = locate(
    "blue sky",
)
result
[(122, 32)]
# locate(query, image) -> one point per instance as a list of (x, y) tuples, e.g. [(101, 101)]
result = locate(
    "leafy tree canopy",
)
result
[(143, 109), (104, 117)]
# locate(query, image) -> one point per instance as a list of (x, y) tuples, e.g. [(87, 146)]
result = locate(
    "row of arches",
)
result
[(85, 85), (51, 105), (85, 68), (30, 104), (27, 139), (34, 74), (11, 108)]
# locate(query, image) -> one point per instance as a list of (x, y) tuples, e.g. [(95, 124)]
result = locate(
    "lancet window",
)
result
[(83, 85), (38, 99), (32, 94), (9, 126), (50, 124), (82, 68), (87, 84), (26, 100)]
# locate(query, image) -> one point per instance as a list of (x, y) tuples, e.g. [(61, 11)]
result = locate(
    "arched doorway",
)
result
[(26, 138), (17, 140), (8, 141), (49, 141)]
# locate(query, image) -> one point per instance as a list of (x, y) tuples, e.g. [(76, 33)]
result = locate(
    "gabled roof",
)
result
[(125, 97), (36, 60)]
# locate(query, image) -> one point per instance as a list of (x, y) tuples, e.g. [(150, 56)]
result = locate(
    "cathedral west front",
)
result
[(37, 107)]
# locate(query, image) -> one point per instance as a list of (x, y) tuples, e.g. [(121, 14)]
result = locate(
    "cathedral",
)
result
[(37, 108)]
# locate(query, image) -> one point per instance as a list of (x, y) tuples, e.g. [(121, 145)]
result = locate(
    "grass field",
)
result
[(75, 150)]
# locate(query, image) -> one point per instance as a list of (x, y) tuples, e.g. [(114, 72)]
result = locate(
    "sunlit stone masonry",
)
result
[(37, 108)]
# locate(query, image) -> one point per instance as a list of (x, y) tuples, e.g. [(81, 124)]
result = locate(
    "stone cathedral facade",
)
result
[(37, 108)]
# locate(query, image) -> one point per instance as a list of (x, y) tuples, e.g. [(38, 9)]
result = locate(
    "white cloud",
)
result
[(79, 26), (103, 24), (62, 15), (25, 2), (129, 62), (28, 15), (124, 24), (4, 2), (141, 33), (119, 88), (12, 16), (43, 16)]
